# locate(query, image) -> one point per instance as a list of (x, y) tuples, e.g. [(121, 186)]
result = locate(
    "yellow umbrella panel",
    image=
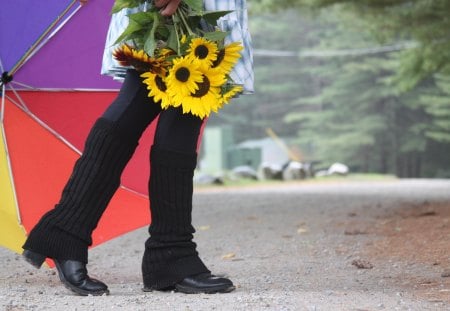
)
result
[(12, 233)]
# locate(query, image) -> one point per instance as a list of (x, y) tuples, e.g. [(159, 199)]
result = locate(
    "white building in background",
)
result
[(219, 153)]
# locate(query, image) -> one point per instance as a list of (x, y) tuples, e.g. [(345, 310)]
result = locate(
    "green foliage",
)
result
[(423, 22), (148, 29), (436, 103), (142, 30)]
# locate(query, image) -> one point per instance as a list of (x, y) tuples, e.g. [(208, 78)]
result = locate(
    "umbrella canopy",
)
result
[(53, 52)]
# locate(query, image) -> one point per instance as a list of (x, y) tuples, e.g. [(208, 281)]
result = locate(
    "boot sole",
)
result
[(190, 290), (213, 290)]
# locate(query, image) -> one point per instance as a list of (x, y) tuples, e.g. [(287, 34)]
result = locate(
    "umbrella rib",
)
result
[(22, 85), (2, 108), (41, 38), (45, 39), (46, 126), (22, 103), (133, 191)]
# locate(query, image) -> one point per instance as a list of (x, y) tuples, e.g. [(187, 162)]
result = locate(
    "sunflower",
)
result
[(227, 57), (229, 94), (183, 77), (157, 87), (204, 50), (165, 52), (207, 96), (216, 77), (128, 56)]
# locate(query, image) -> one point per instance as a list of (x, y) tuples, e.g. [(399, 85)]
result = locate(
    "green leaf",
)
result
[(194, 21), (215, 35), (150, 40), (196, 5), (122, 4), (143, 18), (212, 17), (172, 41), (132, 28)]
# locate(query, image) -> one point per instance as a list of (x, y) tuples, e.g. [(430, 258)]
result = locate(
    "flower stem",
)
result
[(184, 21), (176, 33)]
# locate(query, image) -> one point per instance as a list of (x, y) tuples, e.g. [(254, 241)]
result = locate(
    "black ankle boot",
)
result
[(72, 273)]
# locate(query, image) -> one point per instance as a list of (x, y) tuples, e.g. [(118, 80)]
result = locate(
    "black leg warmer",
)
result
[(170, 254), (65, 232)]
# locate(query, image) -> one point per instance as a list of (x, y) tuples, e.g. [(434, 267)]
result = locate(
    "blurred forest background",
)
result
[(361, 82)]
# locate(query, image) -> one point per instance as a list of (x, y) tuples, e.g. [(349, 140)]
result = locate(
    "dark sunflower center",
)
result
[(182, 74), (201, 51), (160, 84), (220, 56), (203, 88)]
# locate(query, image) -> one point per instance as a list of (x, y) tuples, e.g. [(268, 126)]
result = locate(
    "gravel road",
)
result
[(293, 246)]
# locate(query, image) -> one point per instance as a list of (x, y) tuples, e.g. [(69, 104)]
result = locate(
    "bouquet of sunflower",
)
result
[(182, 58)]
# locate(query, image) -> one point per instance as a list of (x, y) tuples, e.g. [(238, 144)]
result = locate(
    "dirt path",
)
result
[(297, 246)]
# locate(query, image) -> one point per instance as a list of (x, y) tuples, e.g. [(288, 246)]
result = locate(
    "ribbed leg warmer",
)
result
[(65, 232), (170, 254)]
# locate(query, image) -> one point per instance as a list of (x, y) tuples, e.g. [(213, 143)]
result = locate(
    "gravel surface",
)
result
[(293, 246)]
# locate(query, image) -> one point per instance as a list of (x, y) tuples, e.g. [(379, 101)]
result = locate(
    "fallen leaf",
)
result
[(427, 213), (302, 230), (229, 256), (204, 228)]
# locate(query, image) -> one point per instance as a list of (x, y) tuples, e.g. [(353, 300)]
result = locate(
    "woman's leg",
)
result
[(170, 256), (64, 233)]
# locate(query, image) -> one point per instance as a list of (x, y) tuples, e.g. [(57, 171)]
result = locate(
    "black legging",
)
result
[(65, 232), (133, 111)]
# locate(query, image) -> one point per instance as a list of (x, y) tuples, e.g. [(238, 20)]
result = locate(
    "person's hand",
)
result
[(83, 2), (168, 7)]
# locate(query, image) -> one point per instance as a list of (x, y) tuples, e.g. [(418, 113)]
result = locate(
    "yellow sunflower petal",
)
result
[(225, 98), (128, 56), (157, 89), (228, 56), (203, 50), (183, 76)]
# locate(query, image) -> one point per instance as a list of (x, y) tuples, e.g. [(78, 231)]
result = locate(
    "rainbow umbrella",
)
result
[(52, 92)]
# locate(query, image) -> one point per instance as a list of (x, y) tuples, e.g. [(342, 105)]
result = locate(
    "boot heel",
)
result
[(33, 258)]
